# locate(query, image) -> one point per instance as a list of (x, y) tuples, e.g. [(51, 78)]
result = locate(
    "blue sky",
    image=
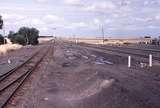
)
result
[(120, 18)]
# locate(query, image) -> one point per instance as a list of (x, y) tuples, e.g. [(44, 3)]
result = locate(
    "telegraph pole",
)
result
[(54, 33), (103, 34)]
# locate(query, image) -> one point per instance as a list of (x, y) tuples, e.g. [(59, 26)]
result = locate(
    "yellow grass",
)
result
[(8, 47), (110, 41), (44, 40)]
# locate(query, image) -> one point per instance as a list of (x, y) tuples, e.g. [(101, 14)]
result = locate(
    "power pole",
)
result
[(103, 34), (54, 33)]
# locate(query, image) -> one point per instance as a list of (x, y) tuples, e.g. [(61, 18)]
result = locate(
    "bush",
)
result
[(31, 35), (24, 36), (17, 38), (155, 41), (2, 40), (106, 40), (126, 43), (11, 33)]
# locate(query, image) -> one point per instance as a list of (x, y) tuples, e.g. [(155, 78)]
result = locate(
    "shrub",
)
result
[(31, 35), (24, 36), (2, 40), (106, 40), (11, 33), (126, 43), (17, 38), (155, 41)]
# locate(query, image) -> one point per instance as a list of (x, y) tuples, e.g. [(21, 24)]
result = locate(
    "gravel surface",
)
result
[(77, 77), (16, 57)]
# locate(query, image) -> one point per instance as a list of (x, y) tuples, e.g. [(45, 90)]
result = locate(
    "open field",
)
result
[(111, 41), (85, 76)]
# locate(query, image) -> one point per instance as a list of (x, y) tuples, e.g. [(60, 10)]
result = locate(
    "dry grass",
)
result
[(44, 40), (8, 47), (110, 41)]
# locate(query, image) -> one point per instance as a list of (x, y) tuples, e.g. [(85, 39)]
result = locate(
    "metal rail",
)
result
[(16, 84), (124, 52), (3, 76), (131, 48)]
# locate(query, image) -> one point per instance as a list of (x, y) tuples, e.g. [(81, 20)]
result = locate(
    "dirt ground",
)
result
[(77, 77), (14, 58)]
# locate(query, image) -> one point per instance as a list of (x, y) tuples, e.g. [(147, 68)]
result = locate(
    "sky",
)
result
[(84, 18)]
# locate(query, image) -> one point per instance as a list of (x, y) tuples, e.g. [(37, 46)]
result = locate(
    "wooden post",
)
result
[(150, 60), (129, 61)]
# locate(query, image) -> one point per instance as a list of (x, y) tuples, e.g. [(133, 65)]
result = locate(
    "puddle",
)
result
[(102, 60), (70, 55)]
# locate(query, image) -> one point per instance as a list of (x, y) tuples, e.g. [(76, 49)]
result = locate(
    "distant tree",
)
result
[(11, 33), (25, 36), (1, 22), (2, 40), (158, 40), (31, 35), (155, 41), (147, 36), (19, 39), (25, 31), (106, 39)]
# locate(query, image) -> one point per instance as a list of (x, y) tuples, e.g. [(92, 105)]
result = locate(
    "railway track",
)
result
[(12, 80), (132, 48), (150, 97), (132, 53)]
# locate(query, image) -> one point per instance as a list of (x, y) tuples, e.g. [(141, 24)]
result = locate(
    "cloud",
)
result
[(83, 16), (52, 18), (157, 17), (54, 21), (72, 2), (41, 1), (12, 16), (37, 22), (107, 21), (152, 27), (125, 2), (77, 25), (100, 6), (96, 21), (150, 2)]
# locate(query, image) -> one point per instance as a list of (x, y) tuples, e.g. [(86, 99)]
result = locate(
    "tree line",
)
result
[(156, 41), (24, 36)]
